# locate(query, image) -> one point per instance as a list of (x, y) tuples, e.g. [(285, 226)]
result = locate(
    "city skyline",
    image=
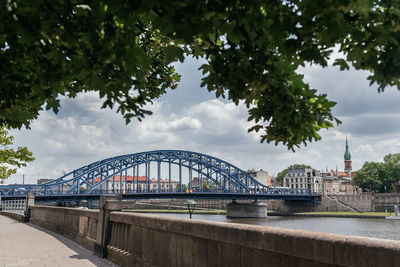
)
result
[(190, 118)]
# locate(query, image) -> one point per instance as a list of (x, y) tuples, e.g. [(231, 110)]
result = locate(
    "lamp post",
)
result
[(190, 204), (84, 203)]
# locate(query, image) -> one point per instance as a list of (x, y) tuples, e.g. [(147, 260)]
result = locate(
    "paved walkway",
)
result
[(24, 244)]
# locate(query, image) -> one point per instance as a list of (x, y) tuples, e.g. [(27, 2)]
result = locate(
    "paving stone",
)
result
[(24, 244)]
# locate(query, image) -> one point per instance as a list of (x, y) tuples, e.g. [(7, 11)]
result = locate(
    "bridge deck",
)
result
[(196, 195), (28, 245)]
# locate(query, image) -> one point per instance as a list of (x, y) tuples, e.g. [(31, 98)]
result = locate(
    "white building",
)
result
[(337, 183), (137, 184), (305, 178), (261, 176)]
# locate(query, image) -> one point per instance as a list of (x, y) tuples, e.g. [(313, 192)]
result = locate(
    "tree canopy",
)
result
[(124, 49), (380, 176), (282, 174), (11, 159)]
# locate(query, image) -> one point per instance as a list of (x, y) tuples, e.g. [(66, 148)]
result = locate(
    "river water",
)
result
[(380, 228)]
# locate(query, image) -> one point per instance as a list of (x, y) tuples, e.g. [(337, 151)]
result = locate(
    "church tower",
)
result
[(347, 160)]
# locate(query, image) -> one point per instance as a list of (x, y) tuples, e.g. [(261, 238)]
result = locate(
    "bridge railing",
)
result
[(271, 191), (13, 205), (48, 191)]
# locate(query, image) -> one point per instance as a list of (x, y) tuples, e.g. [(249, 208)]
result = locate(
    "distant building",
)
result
[(337, 183), (135, 184), (274, 182), (261, 176), (195, 184), (204, 184), (340, 182), (42, 181), (305, 178), (344, 174)]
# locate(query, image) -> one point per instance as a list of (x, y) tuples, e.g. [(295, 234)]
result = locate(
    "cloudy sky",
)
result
[(191, 118)]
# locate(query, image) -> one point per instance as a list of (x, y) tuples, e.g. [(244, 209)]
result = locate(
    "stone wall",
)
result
[(375, 202), (386, 202), (79, 225), (148, 240), (362, 203), (15, 216)]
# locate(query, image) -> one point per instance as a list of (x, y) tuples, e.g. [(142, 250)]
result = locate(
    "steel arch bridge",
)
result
[(120, 175)]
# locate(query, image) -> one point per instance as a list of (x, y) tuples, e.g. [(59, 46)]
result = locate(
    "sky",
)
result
[(191, 118)]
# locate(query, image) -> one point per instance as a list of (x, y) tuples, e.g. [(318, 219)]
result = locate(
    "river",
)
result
[(380, 228)]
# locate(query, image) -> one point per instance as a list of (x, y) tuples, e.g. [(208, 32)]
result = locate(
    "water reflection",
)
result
[(380, 228)]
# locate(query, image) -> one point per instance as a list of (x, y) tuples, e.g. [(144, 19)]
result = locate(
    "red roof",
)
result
[(132, 179), (344, 174), (340, 174), (128, 178)]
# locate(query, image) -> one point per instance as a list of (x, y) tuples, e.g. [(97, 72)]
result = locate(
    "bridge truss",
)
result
[(121, 175)]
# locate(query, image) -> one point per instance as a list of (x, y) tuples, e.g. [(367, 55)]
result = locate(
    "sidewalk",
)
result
[(24, 244)]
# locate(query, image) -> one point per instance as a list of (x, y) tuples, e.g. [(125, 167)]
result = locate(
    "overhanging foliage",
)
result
[(124, 49)]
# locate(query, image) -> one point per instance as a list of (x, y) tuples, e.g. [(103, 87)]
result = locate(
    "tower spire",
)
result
[(347, 155), (347, 160)]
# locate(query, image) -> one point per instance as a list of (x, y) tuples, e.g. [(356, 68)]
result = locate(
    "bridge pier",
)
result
[(246, 210), (107, 204)]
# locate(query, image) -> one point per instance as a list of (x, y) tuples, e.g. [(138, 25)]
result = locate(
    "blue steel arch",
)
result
[(94, 177), (226, 176)]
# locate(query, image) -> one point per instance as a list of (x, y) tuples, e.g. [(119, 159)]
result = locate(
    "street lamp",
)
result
[(84, 203), (190, 204)]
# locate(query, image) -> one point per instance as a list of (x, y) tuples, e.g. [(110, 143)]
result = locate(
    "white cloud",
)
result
[(185, 123), (362, 149), (190, 118)]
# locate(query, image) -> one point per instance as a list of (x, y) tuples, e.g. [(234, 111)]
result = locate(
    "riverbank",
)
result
[(339, 214)]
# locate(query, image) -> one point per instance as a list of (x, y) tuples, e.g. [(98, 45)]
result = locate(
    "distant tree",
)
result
[(393, 164), (380, 176), (371, 177), (11, 159), (252, 51), (392, 158), (282, 174)]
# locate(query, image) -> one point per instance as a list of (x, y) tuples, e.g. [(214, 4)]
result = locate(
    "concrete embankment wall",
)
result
[(383, 202), (15, 216), (363, 203), (147, 240), (377, 202), (163, 241), (79, 225)]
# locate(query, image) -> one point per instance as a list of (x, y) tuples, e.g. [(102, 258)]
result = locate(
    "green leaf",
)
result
[(173, 53), (11, 159), (341, 63)]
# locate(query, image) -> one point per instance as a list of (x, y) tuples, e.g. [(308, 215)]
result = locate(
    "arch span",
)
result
[(132, 174)]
